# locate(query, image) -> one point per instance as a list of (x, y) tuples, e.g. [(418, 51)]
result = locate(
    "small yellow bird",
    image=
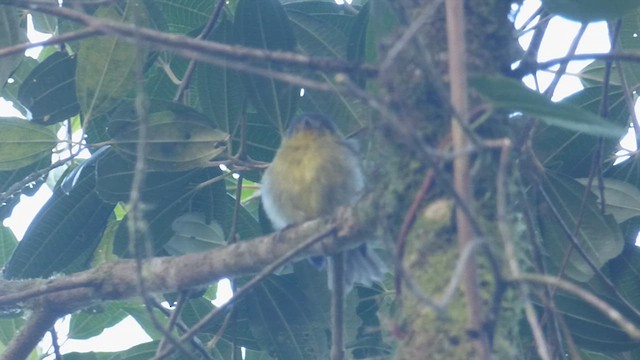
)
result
[(313, 173)]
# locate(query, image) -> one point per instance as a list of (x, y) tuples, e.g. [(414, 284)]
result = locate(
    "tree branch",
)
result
[(194, 48), (118, 279), (455, 22)]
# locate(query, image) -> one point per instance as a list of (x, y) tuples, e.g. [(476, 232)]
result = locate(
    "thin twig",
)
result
[(173, 319), (415, 27), (34, 176), (407, 223), (510, 252), (186, 78), (59, 39), (55, 344), (632, 56), (563, 66), (337, 306)]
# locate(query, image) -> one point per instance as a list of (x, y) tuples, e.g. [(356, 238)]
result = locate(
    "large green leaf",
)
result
[(10, 90), (622, 200), (220, 90), (143, 351), (64, 233), (263, 24), (177, 199), (570, 152), (598, 235), (513, 95), (92, 321), (23, 143), (382, 21), (10, 34), (183, 16), (590, 10), (107, 65), (369, 342), (49, 92), (625, 274), (44, 23), (338, 36), (178, 138), (115, 175), (262, 139), (235, 331), (591, 329), (193, 233), (8, 178), (317, 36), (285, 322), (628, 42), (8, 243)]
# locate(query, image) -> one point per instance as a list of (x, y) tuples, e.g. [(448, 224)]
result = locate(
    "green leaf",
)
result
[(192, 233), (10, 90), (9, 328), (9, 177), (627, 41), (369, 342), (164, 76), (114, 177), (140, 314), (622, 200), (382, 21), (236, 331), (262, 140), (177, 199), (263, 24), (49, 92), (572, 153), (64, 233), (22, 143), (513, 95), (591, 329), (220, 90), (357, 45), (106, 68), (284, 321), (10, 34), (598, 235), (178, 139), (183, 16), (44, 23), (590, 10), (319, 34), (625, 273), (92, 321), (8, 243), (139, 352)]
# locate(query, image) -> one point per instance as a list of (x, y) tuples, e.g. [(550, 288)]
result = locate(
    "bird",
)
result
[(314, 171)]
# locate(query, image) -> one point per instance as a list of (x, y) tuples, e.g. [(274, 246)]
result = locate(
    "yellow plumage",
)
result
[(311, 175)]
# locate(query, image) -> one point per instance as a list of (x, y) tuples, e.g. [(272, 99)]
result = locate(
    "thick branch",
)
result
[(117, 280)]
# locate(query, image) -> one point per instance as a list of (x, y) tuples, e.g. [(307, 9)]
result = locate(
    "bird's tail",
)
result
[(361, 265)]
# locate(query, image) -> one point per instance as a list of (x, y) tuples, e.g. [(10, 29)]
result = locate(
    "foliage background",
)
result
[(500, 200)]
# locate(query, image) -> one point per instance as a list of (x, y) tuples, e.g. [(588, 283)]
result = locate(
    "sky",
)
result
[(128, 333)]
